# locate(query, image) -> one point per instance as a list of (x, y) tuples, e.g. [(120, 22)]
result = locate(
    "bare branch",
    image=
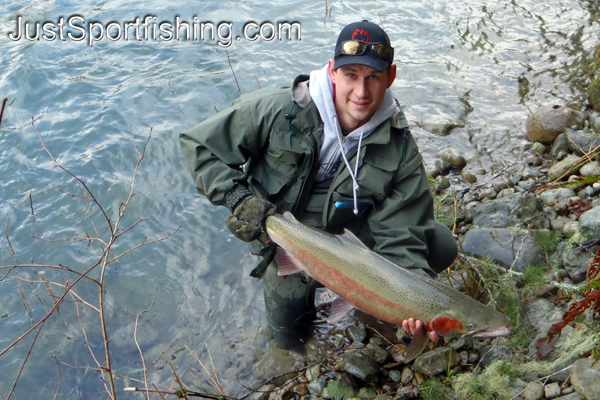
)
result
[(24, 362), (69, 172)]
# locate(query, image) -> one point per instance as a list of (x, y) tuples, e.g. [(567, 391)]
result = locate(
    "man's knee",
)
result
[(442, 248)]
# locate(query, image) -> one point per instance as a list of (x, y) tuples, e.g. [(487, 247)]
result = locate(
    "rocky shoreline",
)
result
[(529, 239)]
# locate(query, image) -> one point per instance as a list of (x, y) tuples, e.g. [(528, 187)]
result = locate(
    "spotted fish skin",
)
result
[(379, 287)]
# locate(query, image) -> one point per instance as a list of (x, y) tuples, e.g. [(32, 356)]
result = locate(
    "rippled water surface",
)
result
[(482, 65)]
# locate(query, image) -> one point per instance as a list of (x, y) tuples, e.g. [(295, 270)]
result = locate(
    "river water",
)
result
[(485, 65)]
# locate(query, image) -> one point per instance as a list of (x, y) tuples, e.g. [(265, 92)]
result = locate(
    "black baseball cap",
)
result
[(369, 33)]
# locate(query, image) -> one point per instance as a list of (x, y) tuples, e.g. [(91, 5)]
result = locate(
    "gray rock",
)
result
[(508, 192), (571, 396), (395, 376), (489, 354), (504, 212), (469, 177), (586, 379), (357, 333), (552, 391), (560, 146), (407, 376), (558, 223), (580, 141), (589, 222), (527, 185), (436, 361), (316, 387), (570, 228), (595, 121), (560, 195), (542, 314), (568, 166), (538, 147), (534, 391), (507, 246), (590, 169), (451, 156), (362, 367), (442, 182), (548, 122), (575, 262)]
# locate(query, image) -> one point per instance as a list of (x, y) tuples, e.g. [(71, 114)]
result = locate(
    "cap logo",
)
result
[(361, 35)]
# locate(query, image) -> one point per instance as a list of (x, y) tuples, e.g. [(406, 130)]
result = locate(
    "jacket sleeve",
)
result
[(401, 224), (216, 149)]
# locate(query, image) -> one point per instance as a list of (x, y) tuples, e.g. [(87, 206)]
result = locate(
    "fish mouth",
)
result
[(490, 332)]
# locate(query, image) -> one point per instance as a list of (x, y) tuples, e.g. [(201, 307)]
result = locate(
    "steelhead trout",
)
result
[(373, 284)]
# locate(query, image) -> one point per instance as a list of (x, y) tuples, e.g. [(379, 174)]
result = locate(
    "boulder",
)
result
[(586, 379), (581, 141), (506, 246), (548, 122), (452, 157), (589, 223), (505, 212)]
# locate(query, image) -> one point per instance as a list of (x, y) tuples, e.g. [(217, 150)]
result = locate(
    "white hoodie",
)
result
[(334, 144)]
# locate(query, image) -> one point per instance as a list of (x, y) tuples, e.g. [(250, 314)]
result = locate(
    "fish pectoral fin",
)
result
[(286, 265), (339, 309), (348, 237), (417, 344)]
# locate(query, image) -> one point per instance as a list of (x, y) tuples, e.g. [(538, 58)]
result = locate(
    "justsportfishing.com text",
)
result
[(149, 28)]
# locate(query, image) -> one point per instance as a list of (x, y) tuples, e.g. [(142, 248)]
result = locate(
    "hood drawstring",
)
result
[(354, 174)]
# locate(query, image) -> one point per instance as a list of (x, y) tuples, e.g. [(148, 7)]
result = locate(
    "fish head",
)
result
[(453, 323)]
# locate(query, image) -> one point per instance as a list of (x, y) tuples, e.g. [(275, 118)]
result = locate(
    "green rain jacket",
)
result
[(269, 140)]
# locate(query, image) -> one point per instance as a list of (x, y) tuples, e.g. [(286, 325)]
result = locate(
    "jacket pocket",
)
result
[(279, 165)]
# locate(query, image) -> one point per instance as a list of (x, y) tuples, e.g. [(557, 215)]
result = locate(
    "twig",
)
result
[(137, 317), (59, 380), (177, 393), (24, 362), (216, 108), (260, 87), (183, 390), (230, 66), (11, 267), (2, 111), (31, 204), (11, 248)]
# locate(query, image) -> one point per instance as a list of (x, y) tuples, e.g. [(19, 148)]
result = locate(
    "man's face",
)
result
[(359, 91)]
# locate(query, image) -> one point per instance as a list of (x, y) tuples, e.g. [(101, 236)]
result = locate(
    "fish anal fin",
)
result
[(417, 345), (286, 265), (339, 309), (349, 237)]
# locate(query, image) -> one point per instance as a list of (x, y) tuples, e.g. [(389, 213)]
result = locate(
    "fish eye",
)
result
[(470, 326)]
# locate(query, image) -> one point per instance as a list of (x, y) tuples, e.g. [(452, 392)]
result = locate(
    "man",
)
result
[(335, 150)]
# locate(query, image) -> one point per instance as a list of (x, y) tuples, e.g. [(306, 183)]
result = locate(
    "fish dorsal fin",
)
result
[(290, 217), (339, 309), (348, 237), (285, 263), (417, 344)]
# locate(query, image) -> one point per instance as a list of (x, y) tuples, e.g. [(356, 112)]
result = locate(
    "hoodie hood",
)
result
[(334, 145)]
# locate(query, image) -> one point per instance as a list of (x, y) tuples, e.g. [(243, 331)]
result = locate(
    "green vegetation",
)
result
[(493, 383), (340, 392), (435, 389)]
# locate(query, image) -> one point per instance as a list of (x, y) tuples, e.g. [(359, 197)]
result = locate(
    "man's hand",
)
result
[(248, 220), (411, 325)]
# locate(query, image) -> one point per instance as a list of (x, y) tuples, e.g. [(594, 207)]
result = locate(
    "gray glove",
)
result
[(248, 220)]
